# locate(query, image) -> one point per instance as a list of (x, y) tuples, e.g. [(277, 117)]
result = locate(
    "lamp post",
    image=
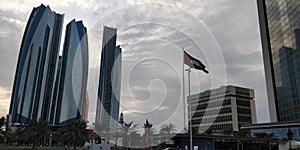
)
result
[(290, 135), (50, 140)]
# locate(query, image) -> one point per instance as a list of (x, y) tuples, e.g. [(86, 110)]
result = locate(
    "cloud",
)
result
[(154, 29), (236, 28), (5, 94), (10, 41)]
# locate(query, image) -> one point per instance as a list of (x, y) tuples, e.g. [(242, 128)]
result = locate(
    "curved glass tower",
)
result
[(108, 102), (74, 73), (36, 68)]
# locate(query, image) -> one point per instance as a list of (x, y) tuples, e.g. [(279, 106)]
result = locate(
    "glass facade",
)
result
[(34, 78), (280, 31), (277, 133), (109, 83), (54, 105), (73, 78)]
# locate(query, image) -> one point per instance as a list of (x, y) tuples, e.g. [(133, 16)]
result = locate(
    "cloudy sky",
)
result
[(223, 34)]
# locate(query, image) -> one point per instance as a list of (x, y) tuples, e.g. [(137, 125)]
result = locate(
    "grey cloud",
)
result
[(10, 41), (166, 27)]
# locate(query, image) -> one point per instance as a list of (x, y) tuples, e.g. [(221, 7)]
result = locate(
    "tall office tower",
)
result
[(280, 34), (74, 74), (36, 68), (87, 104), (55, 94), (222, 109), (110, 82)]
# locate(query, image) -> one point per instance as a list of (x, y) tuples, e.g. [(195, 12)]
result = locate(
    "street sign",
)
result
[(92, 133)]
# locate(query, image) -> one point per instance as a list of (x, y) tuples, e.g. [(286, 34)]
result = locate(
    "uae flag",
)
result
[(193, 62)]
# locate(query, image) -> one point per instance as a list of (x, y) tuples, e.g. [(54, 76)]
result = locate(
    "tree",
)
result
[(152, 131), (101, 132), (125, 130), (15, 135), (2, 122), (264, 135), (37, 131), (2, 133), (74, 132), (135, 139), (194, 131), (167, 128)]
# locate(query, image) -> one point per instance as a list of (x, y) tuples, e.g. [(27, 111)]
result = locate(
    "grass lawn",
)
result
[(29, 148)]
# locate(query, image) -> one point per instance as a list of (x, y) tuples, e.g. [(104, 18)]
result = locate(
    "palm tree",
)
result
[(167, 128), (74, 132), (2, 133), (135, 139), (125, 130), (100, 131), (37, 131), (2, 122), (194, 131), (15, 135)]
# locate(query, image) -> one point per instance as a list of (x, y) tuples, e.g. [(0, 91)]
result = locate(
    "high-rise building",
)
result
[(36, 68), (222, 109), (107, 113), (53, 109), (87, 104), (280, 34), (71, 102)]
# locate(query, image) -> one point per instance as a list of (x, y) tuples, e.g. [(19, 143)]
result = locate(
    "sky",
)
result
[(224, 35)]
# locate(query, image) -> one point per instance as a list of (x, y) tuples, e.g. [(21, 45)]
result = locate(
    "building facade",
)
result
[(36, 68), (223, 109), (71, 102), (107, 113), (276, 130), (54, 104), (280, 34)]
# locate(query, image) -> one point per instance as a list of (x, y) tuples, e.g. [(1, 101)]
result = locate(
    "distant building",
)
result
[(107, 113), (280, 35), (71, 102), (223, 109), (36, 68)]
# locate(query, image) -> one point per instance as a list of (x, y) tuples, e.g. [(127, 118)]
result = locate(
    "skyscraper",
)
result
[(280, 34), (36, 68), (54, 104), (71, 102), (110, 82)]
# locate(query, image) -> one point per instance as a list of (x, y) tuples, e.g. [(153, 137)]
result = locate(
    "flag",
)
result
[(193, 62)]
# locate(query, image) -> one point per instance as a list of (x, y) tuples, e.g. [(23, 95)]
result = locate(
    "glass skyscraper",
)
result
[(71, 102), (108, 102), (280, 33), (36, 68)]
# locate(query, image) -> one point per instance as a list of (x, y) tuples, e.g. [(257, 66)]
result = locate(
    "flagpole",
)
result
[(198, 65), (190, 109), (183, 90)]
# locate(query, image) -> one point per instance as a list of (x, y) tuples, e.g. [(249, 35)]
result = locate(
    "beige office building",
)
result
[(222, 109)]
